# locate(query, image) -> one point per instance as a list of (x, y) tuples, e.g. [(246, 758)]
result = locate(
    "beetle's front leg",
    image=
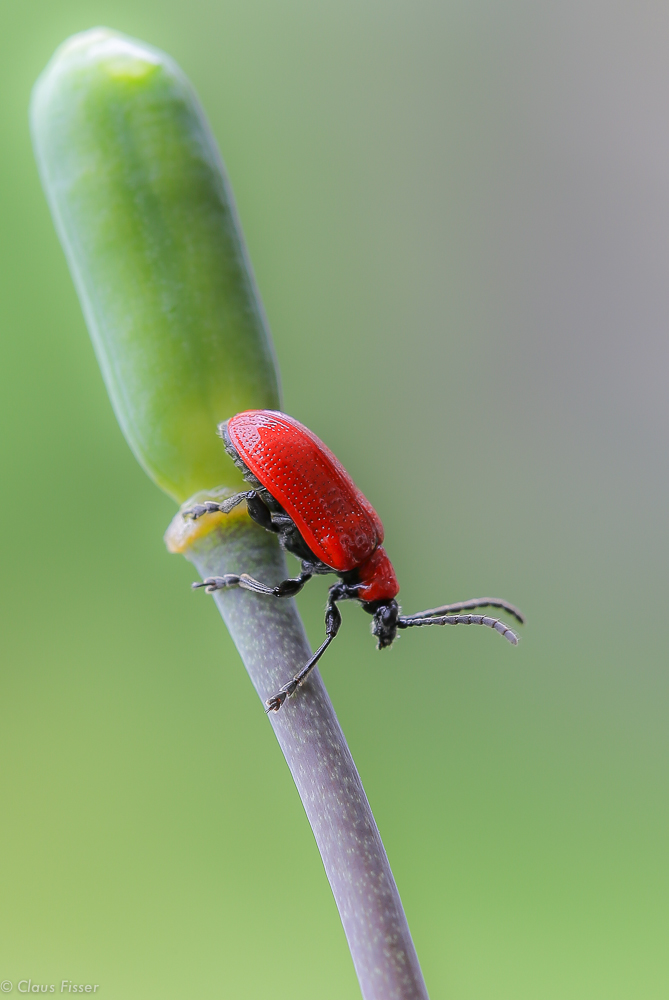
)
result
[(332, 623)]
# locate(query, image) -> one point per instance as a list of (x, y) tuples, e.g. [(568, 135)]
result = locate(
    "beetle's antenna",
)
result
[(475, 602), (461, 620)]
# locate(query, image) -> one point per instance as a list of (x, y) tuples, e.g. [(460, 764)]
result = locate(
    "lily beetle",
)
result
[(302, 493)]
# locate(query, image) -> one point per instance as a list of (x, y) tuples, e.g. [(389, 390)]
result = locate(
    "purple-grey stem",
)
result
[(271, 640)]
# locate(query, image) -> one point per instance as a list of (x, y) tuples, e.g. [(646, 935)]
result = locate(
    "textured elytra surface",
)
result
[(335, 519)]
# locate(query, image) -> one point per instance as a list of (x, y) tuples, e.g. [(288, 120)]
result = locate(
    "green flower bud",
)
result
[(145, 214)]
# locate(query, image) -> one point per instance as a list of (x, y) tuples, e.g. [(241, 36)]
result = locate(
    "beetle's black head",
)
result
[(384, 626)]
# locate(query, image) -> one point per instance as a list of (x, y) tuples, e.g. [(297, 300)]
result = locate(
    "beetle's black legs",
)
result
[(287, 588), (259, 512), (407, 622), (332, 623), (475, 602)]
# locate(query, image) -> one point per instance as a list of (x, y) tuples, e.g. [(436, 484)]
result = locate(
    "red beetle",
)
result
[(305, 495)]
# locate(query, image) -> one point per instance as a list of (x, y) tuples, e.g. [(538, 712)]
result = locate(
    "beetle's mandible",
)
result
[(302, 493)]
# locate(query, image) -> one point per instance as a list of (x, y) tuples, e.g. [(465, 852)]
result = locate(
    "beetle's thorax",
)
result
[(377, 577)]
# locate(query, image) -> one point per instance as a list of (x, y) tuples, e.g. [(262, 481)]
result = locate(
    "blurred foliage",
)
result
[(458, 218)]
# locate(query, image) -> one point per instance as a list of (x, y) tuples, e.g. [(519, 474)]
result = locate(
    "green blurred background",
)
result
[(458, 215)]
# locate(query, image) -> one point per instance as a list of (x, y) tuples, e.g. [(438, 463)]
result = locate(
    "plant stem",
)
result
[(271, 640)]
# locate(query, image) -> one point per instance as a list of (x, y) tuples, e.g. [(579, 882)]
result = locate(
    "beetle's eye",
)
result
[(389, 615)]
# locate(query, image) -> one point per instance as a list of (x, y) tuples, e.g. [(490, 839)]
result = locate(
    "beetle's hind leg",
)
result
[(224, 507), (258, 510), (332, 623), (287, 588)]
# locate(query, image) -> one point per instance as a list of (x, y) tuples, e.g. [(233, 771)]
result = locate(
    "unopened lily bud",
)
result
[(145, 214)]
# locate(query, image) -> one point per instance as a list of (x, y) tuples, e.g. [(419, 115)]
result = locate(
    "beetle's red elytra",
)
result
[(337, 522), (302, 493)]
